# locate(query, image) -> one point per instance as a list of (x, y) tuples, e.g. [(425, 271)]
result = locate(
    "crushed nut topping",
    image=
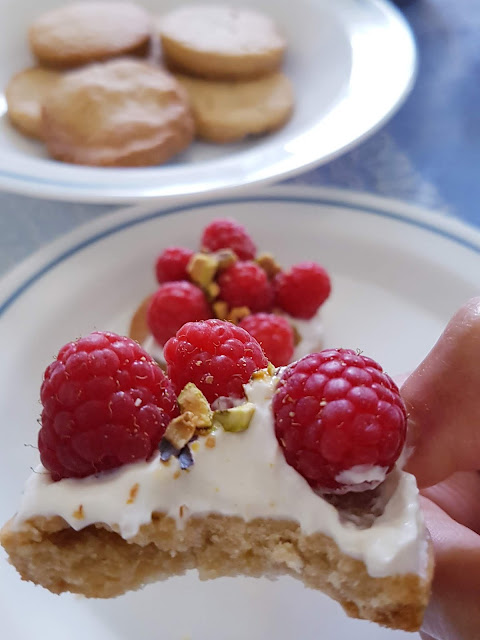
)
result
[(237, 314), (264, 374), (210, 442), (181, 429), (268, 263), (132, 496), (212, 291), (226, 257), (191, 400), (202, 268), (220, 309), (79, 514), (235, 419)]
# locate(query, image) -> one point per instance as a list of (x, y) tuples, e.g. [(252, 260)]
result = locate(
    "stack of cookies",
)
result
[(228, 59), (93, 100)]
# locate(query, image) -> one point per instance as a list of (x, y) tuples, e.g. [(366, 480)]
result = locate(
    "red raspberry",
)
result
[(245, 284), (215, 355), (173, 304), (302, 290), (225, 233), (172, 264), (106, 403), (335, 410), (274, 334)]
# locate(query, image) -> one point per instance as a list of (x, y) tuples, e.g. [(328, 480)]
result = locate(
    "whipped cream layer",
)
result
[(245, 474), (311, 331)]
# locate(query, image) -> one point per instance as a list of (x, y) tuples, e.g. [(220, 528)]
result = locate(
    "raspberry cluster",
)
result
[(244, 285), (107, 403), (338, 418)]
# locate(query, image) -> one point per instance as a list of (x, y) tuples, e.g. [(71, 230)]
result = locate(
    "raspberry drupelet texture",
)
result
[(173, 304), (225, 233), (217, 356), (245, 284), (172, 264), (337, 410), (301, 290), (106, 403), (274, 334)]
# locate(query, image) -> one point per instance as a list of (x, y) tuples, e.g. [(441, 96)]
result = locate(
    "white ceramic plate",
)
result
[(352, 63), (398, 274)]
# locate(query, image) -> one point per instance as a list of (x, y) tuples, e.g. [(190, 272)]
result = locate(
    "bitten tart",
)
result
[(226, 465)]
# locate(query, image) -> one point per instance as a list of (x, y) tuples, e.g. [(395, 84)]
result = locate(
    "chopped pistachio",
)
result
[(226, 257), (263, 374), (235, 419), (220, 309), (268, 263), (202, 268), (180, 430), (237, 314), (210, 442), (191, 400), (79, 513), (212, 291)]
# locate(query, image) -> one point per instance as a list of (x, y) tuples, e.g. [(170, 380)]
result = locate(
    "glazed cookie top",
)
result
[(222, 29), (86, 32), (120, 112)]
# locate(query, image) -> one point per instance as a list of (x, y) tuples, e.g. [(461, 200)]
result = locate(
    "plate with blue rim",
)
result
[(398, 273)]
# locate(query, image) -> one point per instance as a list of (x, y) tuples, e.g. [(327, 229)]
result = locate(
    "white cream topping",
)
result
[(152, 347), (311, 331), (362, 473), (312, 334), (245, 475)]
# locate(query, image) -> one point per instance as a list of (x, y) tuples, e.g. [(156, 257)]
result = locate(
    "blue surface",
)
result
[(428, 154)]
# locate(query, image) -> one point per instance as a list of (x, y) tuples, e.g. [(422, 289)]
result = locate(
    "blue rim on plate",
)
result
[(89, 233)]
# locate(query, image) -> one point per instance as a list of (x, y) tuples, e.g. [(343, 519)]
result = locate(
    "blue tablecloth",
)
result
[(428, 154)]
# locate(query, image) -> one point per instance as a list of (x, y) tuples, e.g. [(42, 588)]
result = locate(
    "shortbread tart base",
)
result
[(98, 563)]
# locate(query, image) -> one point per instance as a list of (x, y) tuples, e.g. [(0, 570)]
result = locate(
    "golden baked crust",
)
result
[(230, 111), (221, 42), (139, 330), (99, 563), (87, 32), (24, 94), (120, 113)]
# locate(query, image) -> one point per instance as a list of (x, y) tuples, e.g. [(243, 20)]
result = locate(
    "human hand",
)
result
[(443, 402)]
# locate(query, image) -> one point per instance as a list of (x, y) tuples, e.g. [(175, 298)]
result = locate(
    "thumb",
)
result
[(442, 397)]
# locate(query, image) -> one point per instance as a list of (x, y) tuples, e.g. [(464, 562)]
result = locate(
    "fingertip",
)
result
[(443, 401)]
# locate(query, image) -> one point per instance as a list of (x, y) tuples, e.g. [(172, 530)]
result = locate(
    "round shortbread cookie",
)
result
[(119, 113), (221, 42), (87, 32), (24, 94), (229, 111)]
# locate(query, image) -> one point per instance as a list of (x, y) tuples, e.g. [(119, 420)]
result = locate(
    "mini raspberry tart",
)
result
[(153, 475), (233, 282)]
